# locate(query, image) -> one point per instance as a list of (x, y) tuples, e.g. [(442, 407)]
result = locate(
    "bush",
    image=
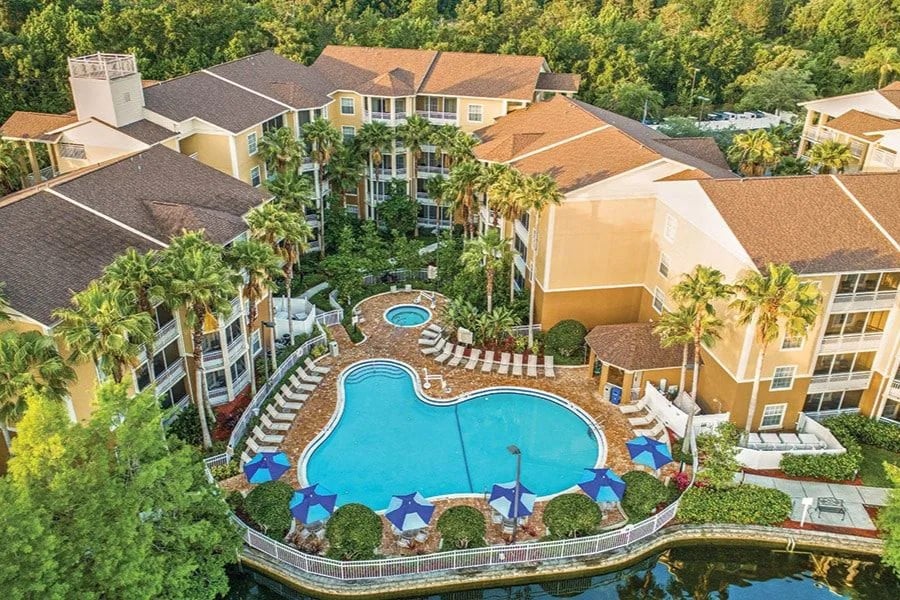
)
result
[(461, 527), (186, 426), (566, 339), (865, 431), (353, 532), (229, 469), (643, 493), (835, 467), (267, 506), (235, 501), (572, 515), (743, 504)]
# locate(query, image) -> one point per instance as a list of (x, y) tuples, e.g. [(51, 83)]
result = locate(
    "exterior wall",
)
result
[(172, 144), (212, 150), (100, 142), (491, 110), (118, 101), (591, 307)]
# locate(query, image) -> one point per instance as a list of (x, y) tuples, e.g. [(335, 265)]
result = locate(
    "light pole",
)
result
[(702, 99), (514, 450), (693, 81)]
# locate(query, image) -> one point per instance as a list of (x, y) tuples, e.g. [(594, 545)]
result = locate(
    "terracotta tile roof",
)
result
[(632, 347), (858, 123), (50, 247), (879, 193), (349, 67), (396, 82), (34, 125), (277, 77), (206, 97), (891, 93), (558, 82), (483, 75), (147, 131), (807, 222)]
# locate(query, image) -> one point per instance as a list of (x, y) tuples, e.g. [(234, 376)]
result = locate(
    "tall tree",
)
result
[(830, 156), (13, 166), (199, 282), (754, 152), (294, 191), (487, 253), (345, 169), (29, 362), (323, 138), (281, 150), (505, 200), (677, 329), (879, 66), (375, 139), (138, 273), (436, 188), (414, 134), (773, 301), (461, 188), (105, 327)]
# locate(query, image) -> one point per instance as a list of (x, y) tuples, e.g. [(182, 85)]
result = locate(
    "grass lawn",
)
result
[(871, 470)]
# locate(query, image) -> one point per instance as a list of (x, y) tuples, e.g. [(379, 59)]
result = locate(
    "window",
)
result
[(671, 228), (400, 106), (792, 343), (521, 248), (475, 113), (659, 300), (349, 133), (663, 267), (525, 219), (827, 401), (273, 124), (255, 177), (773, 416), (348, 106), (783, 378), (252, 144)]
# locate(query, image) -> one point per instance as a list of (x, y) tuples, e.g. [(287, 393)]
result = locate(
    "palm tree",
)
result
[(677, 329), (345, 168), (13, 165), (754, 152), (281, 150), (880, 63), (294, 191), (288, 234), (105, 327), (505, 200), (29, 363), (443, 138), (830, 156), (436, 188), (323, 138), (461, 189), (415, 133), (138, 273), (462, 148), (775, 301), (199, 282), (486, 253), (260, 265), (374, 138)]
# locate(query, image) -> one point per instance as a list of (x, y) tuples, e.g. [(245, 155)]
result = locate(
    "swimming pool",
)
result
[(388, 438), (407, 315)]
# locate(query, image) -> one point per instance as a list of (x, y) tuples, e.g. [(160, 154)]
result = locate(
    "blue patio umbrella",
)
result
[(647, 451), (409, 512), (266, 466), (503, 496), (602, 485), (312, 504)]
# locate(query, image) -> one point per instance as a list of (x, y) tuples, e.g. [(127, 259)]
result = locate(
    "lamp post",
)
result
[(693, 81), (514, 450)]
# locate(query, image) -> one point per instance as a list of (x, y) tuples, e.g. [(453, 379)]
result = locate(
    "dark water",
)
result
[(713, 572)]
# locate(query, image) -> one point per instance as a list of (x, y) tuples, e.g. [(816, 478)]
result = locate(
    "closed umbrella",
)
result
[(312, 504), (602, 485), (409, 512), (266, 466), (647, 451), (502, 499)]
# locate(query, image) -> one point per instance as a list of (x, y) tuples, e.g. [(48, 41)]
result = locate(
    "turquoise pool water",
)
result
[(407, 315), (389, 441)]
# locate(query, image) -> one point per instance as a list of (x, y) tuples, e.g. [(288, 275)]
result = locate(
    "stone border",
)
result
[(670, 537), (430, 315)]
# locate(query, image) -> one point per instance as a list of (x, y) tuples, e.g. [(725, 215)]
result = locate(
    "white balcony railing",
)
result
[(213, 359), (864, 301), (894, 390), (170, 376), (166, 334), (431, 170), (236, 348), (241, 382), (437, 116), (218, 395), (852, 342), (837, 382), (384, 117)]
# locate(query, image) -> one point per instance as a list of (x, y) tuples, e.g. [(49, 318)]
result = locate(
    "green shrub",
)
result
[(865, 431), (235, 500), (643, 493), (566, 339), (267, 506), (461, 527), (353, 532), (572, 515), (186, 426), (743, 504), (225, 471)]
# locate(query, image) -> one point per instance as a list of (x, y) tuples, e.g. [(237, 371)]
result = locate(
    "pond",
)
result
[(716, 572)]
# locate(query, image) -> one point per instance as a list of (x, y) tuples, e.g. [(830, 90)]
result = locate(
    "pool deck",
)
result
[(401, 343)]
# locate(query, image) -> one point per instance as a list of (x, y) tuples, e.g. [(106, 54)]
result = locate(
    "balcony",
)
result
[(864, 301), (521, 232), (852, 342), (218, 395), (438, 118), (213, 359), (170, 376), (236, 348), (882, 158), (431, 170), (423, 198), (241, 382), (839, 382), (818, 134), (382, 172), (894, 389), (165, 335), (396, 118)]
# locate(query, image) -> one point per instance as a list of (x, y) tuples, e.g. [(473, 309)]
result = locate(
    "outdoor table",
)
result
[(831, 505)]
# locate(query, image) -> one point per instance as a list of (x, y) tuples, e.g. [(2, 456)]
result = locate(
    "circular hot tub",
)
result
[(407, 315)]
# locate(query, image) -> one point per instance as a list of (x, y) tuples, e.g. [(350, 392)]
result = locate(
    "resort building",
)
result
[(867, 122), (58, 236)]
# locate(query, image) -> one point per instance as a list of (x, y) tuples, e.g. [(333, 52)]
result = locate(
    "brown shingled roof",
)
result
[(891, 93), (348, 67), (147, 131), (807, 222), (632, 347), (483, 75), (396, 82), (558, 82), (26, 125), (879, 193), (858, 123)]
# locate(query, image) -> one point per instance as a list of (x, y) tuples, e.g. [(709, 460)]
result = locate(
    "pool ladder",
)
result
[(434, 377)]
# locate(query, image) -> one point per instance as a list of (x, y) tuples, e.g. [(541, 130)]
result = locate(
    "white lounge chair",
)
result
[(503, 369), (313, 367), (488, 362), (244, 458), (812, 440), (298, 385), (429, 341), (256, 448), (284, 404), (638, 406), (457, 356), (307, 378), (517, 364), (473, 359), (652, 433), (641, 421), (446, 353), (273, 425), (435, 348), (548, 366), (291, 395), (434, 329), (275, 414), (262, 436), (532, 365)]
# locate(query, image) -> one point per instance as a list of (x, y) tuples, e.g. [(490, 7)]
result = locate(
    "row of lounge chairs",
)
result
[(656, 429), (278, 416), (433, 343)]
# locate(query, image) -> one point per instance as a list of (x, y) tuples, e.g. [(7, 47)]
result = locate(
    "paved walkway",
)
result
[(854, 497)]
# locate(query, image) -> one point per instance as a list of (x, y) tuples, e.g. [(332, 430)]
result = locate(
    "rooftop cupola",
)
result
[(107, 87)]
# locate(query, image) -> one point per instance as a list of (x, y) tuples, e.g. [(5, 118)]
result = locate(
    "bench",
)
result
[(831, 505)]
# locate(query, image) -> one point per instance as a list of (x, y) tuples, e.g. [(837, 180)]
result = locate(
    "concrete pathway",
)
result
[(854, 497)]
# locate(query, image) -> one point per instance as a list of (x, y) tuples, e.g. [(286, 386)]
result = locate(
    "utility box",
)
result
[(335, 351)]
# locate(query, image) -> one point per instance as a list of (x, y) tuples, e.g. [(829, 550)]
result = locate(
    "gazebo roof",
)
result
[(632, 347)]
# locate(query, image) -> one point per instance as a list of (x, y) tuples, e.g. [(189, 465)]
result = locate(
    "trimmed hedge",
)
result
[(566, 339), (353, 533), (743, 504), (866, 431), (572, 515), (462, 527), (643, 493), (267, 505)]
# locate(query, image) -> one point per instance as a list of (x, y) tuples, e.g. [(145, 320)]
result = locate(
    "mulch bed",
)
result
[(781, 475), (867, 533), (227, 416)]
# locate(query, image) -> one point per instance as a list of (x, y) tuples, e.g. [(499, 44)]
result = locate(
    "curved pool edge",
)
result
[(669, 537), (319, 439), (429, 314)]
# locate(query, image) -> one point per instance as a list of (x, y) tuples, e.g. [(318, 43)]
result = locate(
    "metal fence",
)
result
[(332, 317), (397, 275)]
